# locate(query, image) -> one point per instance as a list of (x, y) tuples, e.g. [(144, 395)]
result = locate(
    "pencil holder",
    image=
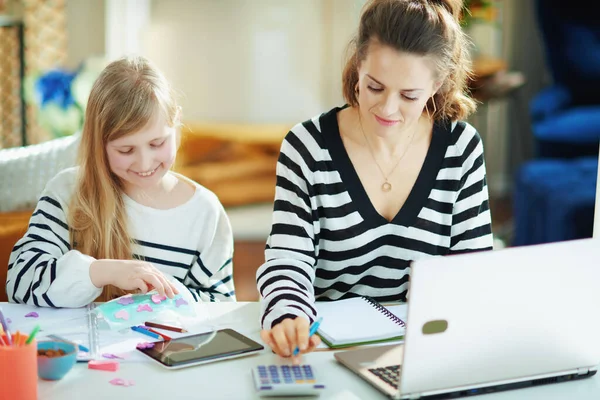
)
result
[(18, 369)]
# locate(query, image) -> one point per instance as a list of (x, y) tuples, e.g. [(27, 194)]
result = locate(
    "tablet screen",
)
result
[(200, 348)]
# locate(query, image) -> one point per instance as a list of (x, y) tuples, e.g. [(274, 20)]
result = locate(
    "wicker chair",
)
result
[(24, 174)]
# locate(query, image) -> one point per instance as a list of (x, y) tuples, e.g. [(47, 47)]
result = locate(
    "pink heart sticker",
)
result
[(144, 307), (122, 314), (32, 314), (157, 298)]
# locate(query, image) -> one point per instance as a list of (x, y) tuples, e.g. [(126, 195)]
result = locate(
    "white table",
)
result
[(231, 379)]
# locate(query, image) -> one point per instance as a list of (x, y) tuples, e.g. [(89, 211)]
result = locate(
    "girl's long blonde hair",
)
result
[(123, 100)]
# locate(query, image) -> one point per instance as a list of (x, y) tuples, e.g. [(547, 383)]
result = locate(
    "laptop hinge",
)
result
[(583, 371)]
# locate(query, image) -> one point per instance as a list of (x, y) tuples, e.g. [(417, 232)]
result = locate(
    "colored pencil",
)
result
[(165, 337), (17, 339), (165, 327), (5, 327), (32, 334), (146, 332)]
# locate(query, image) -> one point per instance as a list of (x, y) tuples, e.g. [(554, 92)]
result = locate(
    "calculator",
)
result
[(286, 380)]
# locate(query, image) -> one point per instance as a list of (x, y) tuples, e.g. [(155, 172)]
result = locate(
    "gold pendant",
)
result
[(386, 187)]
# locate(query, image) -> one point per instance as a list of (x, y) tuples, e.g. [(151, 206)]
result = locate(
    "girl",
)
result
[(121, 220), (394, 176)]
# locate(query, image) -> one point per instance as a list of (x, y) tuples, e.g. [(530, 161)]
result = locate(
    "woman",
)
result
[(394, 176)]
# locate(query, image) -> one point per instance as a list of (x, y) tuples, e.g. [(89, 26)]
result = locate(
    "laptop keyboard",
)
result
[(390, 374)]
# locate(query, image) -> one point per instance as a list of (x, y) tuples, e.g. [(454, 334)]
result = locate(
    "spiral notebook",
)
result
[(78, 325), (357, 321)]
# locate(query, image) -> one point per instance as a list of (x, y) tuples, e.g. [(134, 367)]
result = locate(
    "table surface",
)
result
[(231, 379)]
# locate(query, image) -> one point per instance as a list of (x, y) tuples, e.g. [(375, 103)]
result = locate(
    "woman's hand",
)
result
[(131, 275), (290, 333)]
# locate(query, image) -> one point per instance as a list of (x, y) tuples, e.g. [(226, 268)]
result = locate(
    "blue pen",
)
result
[(146, 332), (313, 329), (5, 327)]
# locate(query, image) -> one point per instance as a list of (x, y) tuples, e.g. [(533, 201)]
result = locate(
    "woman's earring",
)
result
[(434, 107)]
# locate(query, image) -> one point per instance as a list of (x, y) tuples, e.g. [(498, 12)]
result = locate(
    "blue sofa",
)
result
[(554, 193)]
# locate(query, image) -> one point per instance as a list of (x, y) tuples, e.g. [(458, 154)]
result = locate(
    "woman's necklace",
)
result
[(386, 186)]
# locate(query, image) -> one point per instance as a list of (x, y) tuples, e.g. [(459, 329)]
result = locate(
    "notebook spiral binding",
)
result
[(93, 338), (384, 311)]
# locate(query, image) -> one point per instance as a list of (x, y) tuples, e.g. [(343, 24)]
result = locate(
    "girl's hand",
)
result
[(131, 275), (290, 333)]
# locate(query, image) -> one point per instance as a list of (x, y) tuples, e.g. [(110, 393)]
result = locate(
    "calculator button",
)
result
[(286, 380)]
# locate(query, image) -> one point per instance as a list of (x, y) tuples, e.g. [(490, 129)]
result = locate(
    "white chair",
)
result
[(24, 171)]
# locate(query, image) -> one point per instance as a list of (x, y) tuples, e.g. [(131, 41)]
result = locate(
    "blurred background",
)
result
[(247, 70)]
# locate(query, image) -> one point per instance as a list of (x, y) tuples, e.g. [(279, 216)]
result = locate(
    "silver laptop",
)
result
[(492, 321)]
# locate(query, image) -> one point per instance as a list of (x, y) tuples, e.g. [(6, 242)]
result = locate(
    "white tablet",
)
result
[(201, 349)]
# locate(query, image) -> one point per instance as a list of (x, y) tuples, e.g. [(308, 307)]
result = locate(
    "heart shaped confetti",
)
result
[(180, 302), (111, 356), (122, 314), (32, 314), (145, 345), (144, 307), (121, 382), (125, 300), (157, 298)]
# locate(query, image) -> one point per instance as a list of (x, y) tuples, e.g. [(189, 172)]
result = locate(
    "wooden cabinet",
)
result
[(247, 257)]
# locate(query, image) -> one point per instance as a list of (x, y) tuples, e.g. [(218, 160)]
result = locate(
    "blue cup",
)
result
[(55, 368)]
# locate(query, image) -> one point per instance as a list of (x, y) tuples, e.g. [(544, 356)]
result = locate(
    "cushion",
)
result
[(26, 170), (554, 200)]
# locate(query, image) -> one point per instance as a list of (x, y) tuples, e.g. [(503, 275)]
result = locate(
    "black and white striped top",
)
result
[(192, 242), (328, 242)]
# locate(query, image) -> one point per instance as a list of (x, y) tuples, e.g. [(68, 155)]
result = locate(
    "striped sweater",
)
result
[(328, 242), (192, 242)]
